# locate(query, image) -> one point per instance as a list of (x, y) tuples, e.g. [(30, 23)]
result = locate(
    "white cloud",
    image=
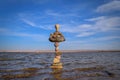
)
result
[(34, 24), (104, 42), (84, 34), (57, 14), (28, 22), (51, 13), (96, 18), (108, 7), (99, 24), (46, 27), (25, 34), (107, 23), (8, 32), (107, 38), (36, 37), (70, 28)]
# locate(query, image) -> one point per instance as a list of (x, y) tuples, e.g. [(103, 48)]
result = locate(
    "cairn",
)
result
[(57, 37)]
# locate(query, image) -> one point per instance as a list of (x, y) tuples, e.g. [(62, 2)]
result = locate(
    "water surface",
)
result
[(77, 66)]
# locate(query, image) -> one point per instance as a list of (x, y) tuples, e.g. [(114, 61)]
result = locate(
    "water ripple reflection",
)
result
[(77, 66)]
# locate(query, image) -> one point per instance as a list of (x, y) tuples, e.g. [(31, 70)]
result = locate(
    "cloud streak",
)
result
[(96, 25), (56, 14), (8, 32), (109, 7), (107, 38), (106, 23), (28, 22), (84, 34), (99, 24)]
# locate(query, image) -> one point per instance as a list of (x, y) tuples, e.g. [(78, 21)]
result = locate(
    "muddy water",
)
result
[(77, 66)]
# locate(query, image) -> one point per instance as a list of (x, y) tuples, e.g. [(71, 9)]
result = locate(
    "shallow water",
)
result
[(76, 66)]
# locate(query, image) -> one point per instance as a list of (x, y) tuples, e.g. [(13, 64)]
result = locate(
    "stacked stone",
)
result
[(57, 37), (57, 55)]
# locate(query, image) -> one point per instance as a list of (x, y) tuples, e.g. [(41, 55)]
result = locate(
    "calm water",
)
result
[(77, 66)]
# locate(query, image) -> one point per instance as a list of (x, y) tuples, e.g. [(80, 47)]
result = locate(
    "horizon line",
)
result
[(60, 51)]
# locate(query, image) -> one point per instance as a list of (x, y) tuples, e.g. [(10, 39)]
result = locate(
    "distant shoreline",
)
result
[(46, 51)]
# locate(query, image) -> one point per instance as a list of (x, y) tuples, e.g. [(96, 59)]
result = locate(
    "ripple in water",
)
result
[(77, 66)]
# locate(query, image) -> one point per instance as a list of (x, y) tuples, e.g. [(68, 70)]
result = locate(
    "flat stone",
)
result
[(56, 60), (57, 65)]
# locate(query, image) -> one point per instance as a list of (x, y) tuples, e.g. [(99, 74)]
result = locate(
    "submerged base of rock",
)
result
[(57, 65)]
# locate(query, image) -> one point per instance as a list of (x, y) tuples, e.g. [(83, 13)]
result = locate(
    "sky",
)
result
[(85, 24)]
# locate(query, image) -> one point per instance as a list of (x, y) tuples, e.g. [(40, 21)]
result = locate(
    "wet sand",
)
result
[(83, 66)]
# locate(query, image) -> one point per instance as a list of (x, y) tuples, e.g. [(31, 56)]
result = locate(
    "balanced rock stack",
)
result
[(57, 37)]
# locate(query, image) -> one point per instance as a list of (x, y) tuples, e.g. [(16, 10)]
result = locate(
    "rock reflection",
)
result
[(57, 73)]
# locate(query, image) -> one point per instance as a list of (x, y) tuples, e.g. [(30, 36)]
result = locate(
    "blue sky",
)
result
[(86, 24)]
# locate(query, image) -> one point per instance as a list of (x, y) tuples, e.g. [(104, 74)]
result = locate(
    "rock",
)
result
[(56, 37), (58, 53), (57, 65), (60, 39), (56, 60)]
